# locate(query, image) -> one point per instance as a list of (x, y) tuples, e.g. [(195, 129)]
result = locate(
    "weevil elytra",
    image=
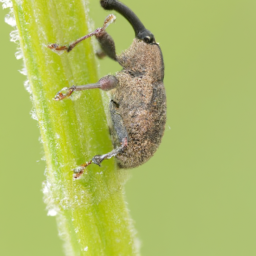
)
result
[(138, 101)]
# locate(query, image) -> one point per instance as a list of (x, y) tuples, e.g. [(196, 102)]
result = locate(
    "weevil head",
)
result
[(146, 36), (140, 31)]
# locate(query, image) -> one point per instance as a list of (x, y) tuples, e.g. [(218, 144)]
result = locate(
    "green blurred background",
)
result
[(197, 195)]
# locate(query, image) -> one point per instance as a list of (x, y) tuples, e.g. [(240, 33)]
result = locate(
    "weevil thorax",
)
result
[(145, 59)]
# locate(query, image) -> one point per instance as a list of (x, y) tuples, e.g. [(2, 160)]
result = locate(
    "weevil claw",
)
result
[(64, 93), (78, 171)]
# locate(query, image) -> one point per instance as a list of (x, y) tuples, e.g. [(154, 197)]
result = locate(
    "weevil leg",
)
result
[(120, 132), (99, 158), (106, 83), (122, 137), (117, 121), (103, 37), (107, 45)]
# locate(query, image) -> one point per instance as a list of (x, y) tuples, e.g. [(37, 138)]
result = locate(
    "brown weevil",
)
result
[(138, 100)]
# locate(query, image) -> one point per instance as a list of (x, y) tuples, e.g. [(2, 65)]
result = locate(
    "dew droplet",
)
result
[(27, 86), (23, 71), (10, 20), (19, 54), (34, 115), (14, 36), (6, 3), (52, 212)]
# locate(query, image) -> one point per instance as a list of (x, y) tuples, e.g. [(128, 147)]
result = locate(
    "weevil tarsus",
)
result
[(78, 171)]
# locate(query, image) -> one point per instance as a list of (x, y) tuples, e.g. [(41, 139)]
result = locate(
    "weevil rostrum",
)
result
[(138, 100)]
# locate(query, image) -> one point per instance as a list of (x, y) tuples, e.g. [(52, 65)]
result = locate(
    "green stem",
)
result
[(91, 213)]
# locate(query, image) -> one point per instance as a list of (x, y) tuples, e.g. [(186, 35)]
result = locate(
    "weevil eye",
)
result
[(149, 39), (146, 36)]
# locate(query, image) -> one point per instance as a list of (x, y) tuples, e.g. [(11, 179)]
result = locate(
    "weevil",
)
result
[(138, 99)]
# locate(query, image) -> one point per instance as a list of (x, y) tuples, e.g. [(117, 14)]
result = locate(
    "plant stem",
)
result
[(91, 213)]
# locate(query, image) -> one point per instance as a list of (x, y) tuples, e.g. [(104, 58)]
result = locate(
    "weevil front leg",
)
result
[(105, 40), (106, 83)]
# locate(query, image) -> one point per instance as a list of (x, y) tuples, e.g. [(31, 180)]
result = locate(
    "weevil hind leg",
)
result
[(117, 121), (120, 131), (98, 159), (122, 136)]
